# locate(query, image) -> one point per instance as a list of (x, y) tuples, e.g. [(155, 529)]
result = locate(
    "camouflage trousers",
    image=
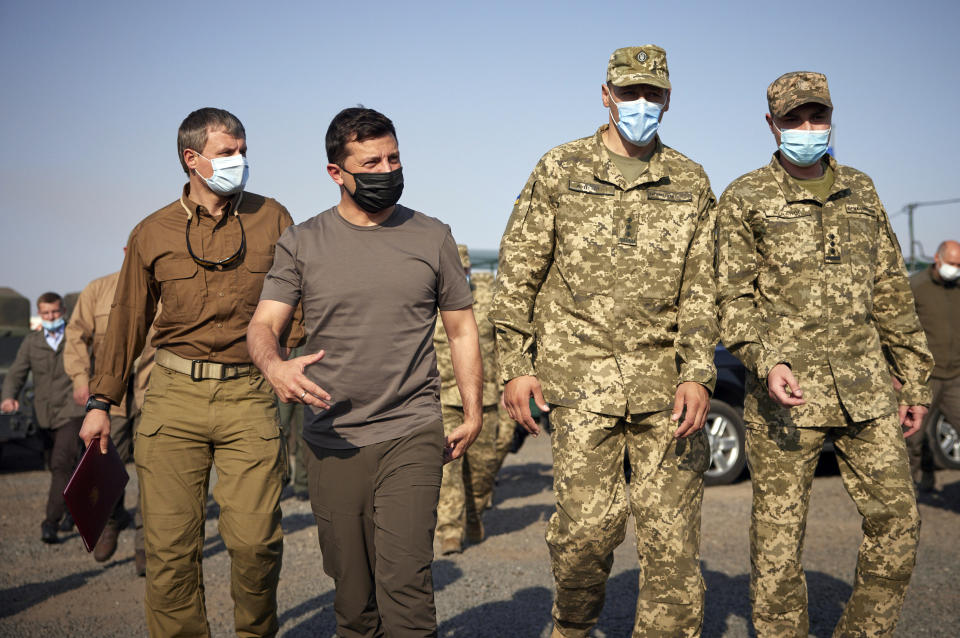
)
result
[(665, 494), (467, 482), (873, 465)]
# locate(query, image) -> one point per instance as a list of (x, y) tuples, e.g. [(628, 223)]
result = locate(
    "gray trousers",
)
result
[(376, 510)]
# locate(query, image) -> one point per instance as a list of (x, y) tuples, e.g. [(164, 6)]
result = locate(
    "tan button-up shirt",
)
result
[(84, 338), (205, 310)]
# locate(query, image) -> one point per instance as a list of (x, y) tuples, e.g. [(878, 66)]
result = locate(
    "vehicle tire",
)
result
[(725, 430), (944, 441)]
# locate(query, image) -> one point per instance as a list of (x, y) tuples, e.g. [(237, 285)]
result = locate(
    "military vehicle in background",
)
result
[(14, 326)]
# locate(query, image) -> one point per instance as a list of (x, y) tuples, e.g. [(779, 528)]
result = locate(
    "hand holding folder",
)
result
[(93, 490)]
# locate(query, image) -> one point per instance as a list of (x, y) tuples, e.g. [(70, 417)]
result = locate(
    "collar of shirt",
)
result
[(605, 170), (793, 191), (53, 337), (197, 211)]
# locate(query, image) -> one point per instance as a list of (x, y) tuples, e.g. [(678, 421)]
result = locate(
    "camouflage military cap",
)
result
[(645, 64), (464, 255), (790, 90)]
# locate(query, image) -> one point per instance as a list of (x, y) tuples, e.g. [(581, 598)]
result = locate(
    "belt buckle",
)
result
[(225, 376), (196, 370)]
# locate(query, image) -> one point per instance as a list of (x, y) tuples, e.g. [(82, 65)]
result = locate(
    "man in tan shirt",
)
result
[(204, 256), (84, 336)]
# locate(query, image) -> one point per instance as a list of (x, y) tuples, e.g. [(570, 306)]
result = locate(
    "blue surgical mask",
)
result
[(639, 120), (53, 326), (229, 174), (803, 148)]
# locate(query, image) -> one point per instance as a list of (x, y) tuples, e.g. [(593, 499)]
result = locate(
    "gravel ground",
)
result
[(499, 588)]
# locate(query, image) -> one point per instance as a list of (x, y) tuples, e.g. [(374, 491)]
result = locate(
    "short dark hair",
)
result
[(355, 124), (194, 128), (49, 297)]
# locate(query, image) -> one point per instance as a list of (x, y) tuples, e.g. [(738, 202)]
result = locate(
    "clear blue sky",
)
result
[(92, 95)]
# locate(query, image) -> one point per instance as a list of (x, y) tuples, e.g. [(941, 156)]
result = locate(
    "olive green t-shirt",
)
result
[(630, 167), (819, 186), (370, 297)]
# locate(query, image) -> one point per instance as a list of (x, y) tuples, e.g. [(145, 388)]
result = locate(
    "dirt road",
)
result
[(500, 588)]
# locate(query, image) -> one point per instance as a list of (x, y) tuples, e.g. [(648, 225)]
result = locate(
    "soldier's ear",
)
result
[(605, 95), (335, 173), (773, 128)]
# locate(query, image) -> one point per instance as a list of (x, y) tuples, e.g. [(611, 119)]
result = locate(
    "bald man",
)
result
[(938, 306)]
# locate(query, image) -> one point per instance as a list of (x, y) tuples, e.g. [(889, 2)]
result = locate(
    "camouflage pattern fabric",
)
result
[(606, 290), (468, 481), (820, 286), (467, 484), (790, 90), (873, 464), (505, 429), (645, 64), (665, 493), (482, 287)]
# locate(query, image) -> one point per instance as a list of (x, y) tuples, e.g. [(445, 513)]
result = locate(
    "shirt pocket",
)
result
[(862, 228), (250, 277), (181, 289), (586, 237), (789, 272)]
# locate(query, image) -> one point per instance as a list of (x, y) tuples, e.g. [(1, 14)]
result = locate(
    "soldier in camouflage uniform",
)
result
[(812, 290), (605, 308), (468, 481)]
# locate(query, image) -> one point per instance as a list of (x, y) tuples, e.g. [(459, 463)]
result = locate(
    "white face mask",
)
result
[(229, 174), (948, 272)]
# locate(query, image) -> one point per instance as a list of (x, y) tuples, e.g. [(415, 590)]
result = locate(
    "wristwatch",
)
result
[(94, 403)]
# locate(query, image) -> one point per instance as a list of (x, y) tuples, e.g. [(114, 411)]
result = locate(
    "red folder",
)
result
[(94, 489)]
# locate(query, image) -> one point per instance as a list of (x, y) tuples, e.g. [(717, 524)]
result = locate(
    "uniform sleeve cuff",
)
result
[(705, 376), (915, 394), (518, 367), (109, 387)]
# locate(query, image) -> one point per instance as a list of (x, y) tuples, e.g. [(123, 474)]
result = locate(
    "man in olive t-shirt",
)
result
[(371, 275)]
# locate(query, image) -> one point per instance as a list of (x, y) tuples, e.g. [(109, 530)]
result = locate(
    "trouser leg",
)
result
[(249, 455), (405, 503), (173, 454), (63, 459), (341, 496), (590, 517), (874, 468), (782, 462), (666, 492), (505, 428), (479, 468), (452, 503), (121, 433), (300, 481)]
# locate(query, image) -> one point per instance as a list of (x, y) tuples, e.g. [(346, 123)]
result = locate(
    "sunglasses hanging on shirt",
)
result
[(227, 261)]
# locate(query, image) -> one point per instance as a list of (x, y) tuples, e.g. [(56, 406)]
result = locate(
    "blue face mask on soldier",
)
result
[(803, 148), (639, 120), (229, 174)]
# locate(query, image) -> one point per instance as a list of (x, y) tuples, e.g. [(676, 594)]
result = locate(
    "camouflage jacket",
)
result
[(822, 287), (482, 285), (606, 290)]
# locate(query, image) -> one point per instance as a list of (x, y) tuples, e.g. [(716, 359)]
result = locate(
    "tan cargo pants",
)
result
[(185, 427), (468, 481), (666, 492), (875, 472)]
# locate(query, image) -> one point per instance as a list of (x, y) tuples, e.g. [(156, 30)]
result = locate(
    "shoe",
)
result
[(66, 525), (450, 546), (140, 562), (107, 544), (475, 532), (48, 533)]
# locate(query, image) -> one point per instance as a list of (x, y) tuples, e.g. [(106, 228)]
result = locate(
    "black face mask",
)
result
[(377, 191)]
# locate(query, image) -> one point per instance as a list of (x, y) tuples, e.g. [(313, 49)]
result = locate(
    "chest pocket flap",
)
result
[(258, 262), (171, 269)]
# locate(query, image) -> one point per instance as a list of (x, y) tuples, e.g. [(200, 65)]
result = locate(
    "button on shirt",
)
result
[(205, 311)]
